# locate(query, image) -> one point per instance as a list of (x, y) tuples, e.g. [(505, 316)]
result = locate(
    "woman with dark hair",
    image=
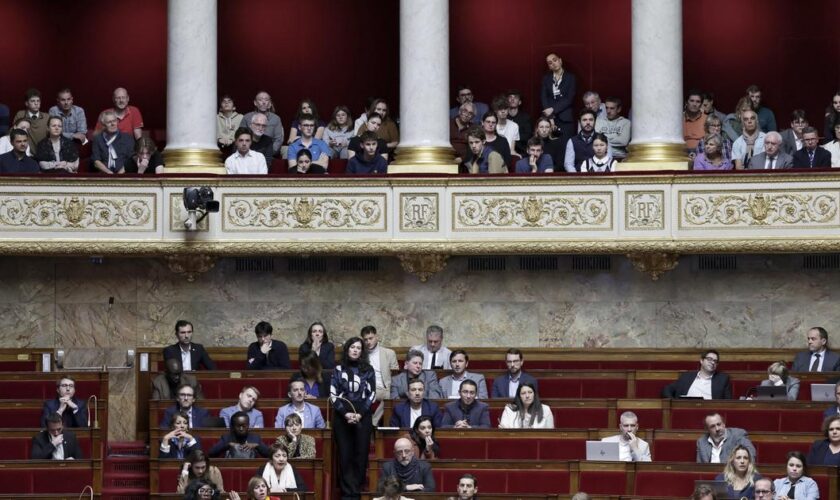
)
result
[(146, 158), (339, 132), (198, 466), (56, 153), (601, 160), (352, 392), (202, 489), (315, 380), (827, 451), (388, 130), (832, 117), (552, 146), (305, 165), (318, 341), (279, 474), (739, 474), (526, 411), (392, 487), (307, 107), (796, 484), (422, 435), (178, 442)]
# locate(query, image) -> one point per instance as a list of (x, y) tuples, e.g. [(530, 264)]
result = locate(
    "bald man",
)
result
[(415, 474)]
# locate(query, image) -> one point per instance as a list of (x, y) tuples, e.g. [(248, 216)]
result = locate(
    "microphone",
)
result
[(110, 303), (87, 487), (95, 411)]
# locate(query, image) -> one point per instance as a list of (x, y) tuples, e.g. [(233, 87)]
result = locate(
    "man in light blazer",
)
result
[(773, 158), (817, 356), (792, 137), (718, 442), (413, 369), (435, 354), (505, 386), (383, 360), (451, 384)]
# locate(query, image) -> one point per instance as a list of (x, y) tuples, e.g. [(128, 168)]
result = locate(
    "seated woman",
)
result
[(712, 126), (202, 489), (422, 435), (56, 153), (198, 466), (178, 442), (739, 473), (796, 484), (146, 158), (827, 451), (601, 161), (279, 474), (318, 341), (732, 123), (778, 375), (833, 147), (712, 157), (305, 165), (526, 411), (391, 489), (297, 444), (556, 148), (315, 379), (306, 107), (258, 489), (339, 132)]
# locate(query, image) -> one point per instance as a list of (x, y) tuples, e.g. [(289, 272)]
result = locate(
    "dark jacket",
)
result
[(222, 445), (502, 383), (276, 359), (42, 447), (721, 389), (401, 417), (70, 419), (477, 415), (822, 158), (326, 356), (198, 356), (199, 415)]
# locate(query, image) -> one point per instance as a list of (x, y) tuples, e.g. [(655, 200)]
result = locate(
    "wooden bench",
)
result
[(771, 447), (16, 444), (42, 386), (49, 476), (23, 360)]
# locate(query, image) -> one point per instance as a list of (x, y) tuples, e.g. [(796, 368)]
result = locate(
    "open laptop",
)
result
[(601, 451), (718, 487), (822, 392), (777, 392)]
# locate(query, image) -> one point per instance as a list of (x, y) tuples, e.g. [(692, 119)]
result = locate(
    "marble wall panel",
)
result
[(81, 281), (28, 324), (96, 325), (596, 324), (26, 280)]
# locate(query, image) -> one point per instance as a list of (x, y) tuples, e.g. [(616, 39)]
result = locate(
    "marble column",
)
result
[(424, 89), (191, 88), (657, 43)]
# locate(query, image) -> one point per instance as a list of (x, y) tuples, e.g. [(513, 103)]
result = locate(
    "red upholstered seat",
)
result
[(581, 418), (43, 389), (603, 482), (17, 418), (44, 477), (230, 388), (674, 450), (667, 483)]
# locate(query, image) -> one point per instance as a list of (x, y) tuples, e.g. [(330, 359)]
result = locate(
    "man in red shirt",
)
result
[(130, 118)]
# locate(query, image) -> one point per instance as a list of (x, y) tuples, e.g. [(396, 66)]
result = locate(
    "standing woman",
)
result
[(352, 392), (526, 411), (56, 153), (796, 484), (557, 94), (318, 342)]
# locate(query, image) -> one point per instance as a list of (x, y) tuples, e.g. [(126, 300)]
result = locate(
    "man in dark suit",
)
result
[(54, 443), (265, 353), (165, 385), (557, 95), (718, 442), (185, 403), (834, 409), (792, 137), (707, 383), (812, 155), (466, 412), (505, 386), (191, 355), (401, 417), (817, 358), (772, 158), (413, 369), (73, 410)]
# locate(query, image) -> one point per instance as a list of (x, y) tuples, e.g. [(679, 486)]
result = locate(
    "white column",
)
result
[(191, 86), (424, 88), (657, 102)]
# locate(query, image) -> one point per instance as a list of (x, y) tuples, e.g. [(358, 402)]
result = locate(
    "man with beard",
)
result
[(579, 147), (273, 128), (415, 474), (466, 412)]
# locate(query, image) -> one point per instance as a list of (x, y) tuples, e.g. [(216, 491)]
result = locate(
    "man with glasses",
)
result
[(706, 383), (773, 157), (319, 149), (261, 142), (465, 95), (273, 128), (764, 489), (792, 137), (73, 410), (812, 155), (415, 474), (718, 441), (185, 403)]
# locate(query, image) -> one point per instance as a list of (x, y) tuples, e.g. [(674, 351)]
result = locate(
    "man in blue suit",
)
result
[(835, 409), (506, 385), (73, 410), (817, 358), (415, 402), (185, 403)]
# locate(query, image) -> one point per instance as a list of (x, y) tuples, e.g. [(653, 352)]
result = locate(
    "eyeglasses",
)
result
[(185, 394), (67, 386), (204, 490), (307, 124), (711, 359), (763, 492)]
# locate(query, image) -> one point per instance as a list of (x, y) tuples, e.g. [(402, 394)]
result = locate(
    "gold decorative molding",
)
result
[(424, 160), (419, 212), (178, 214), (655, 264), (423, 265), (70, 211), (190, 265), (652, 156), (741, 209), (644, 210), (325, 212), (585, 211), (193, 161)]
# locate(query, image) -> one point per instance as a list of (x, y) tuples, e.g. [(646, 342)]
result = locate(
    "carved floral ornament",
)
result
[(771, 208), (533, 211), (73, 212), (352, 212)]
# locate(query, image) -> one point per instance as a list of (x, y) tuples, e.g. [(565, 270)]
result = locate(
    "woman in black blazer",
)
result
[(318, 342)]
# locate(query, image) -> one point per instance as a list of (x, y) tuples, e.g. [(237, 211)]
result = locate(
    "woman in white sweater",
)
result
[(526, 411)]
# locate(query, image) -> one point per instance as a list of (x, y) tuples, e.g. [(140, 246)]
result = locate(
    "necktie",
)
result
[(791, 492), (772, 161), (816, 364), (811, 158), (434, 356)]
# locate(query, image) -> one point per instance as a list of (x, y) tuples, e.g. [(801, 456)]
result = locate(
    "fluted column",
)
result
[(191, 88), (424, 89), (657, 44)]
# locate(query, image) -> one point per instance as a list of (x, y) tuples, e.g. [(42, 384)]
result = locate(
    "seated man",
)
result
[(718, 442), (484, 159), (245, 161), (818, 358), (354, 146), (435, 354), (17, 161), (265, 353), (185, 404), (73, 410), (451, 384), (165, 385), (37, 120), (615, 127), (415, 474), (261, 142), (413, 369), (319, 149), (792, 137), (239, 442), (414, 407), (765, 488), (129, 117), (467, 488), (506, 385), (630, 447), (54, 443), (458, 128), (309, 414), (812, 155), (465, 95), (112, 148), (766, 117), (274, 126), (772, 157), (248, 397), (706, 383), (369, 162), (73, 119), (521, 117), (834, 409), (579, 146), (536, 161), (466, 413), (508, 129), (751, 141), (192, 355)]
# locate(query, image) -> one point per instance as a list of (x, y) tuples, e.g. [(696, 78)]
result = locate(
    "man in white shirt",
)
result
[(383, 360), (630, 447), (244, 161), (54, 443), (508, 129), (706, 383), (451, 384), (435, 355), (718, 442)]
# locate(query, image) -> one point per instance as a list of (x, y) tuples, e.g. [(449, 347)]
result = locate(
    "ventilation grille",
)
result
[(359, 264), (538, 263), (307, 265), (254, 265), (717, 262), (487, 263), (591, 263), (821, 262)]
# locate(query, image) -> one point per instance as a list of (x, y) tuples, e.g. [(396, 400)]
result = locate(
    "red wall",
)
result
[(341, 51)]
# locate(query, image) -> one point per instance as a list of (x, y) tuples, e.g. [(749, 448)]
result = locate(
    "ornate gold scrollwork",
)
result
[(190, 265), (423, 265), (655, 263)]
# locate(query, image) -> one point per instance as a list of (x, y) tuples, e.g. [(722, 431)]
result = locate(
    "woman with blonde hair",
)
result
[(778, 375), (739, 474)]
